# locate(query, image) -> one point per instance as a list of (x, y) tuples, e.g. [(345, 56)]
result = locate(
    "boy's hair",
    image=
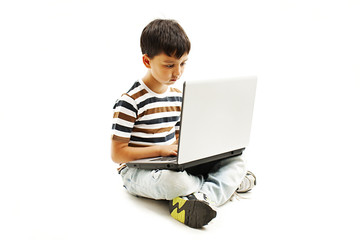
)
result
[(164, 36)]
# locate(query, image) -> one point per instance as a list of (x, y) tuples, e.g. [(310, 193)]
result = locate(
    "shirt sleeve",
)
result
[(125, 114)]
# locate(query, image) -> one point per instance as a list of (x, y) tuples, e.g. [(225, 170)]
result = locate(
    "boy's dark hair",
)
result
[(163, 35)]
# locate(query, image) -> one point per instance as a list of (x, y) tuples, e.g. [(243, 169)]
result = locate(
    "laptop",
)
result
[(215, 123)]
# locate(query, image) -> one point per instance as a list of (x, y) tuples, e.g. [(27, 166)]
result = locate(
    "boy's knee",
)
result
[(173, 179), (178, 183)]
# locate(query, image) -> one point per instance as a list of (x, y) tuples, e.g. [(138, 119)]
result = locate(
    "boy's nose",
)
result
[(177, 72)]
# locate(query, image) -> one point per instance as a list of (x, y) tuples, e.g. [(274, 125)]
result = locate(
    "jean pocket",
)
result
[(156, 174), (123, 171)]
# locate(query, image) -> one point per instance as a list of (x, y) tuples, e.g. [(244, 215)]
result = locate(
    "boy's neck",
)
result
[(153, 84)]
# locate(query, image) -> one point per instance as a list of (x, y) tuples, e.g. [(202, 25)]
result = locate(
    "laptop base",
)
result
[(173, 165)]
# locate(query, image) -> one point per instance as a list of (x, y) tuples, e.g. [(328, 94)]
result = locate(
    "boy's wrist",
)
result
[(158, 151)]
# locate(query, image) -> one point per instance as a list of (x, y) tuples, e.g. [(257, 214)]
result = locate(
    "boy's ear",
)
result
[(146, 61)]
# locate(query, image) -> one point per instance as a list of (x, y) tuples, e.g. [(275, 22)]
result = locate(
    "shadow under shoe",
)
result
[(193, 213)]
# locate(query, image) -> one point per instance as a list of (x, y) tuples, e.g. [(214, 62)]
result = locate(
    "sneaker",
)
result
[(247, 184), (193, 210)]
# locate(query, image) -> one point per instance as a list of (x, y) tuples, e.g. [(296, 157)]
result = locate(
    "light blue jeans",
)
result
[(219, 184)]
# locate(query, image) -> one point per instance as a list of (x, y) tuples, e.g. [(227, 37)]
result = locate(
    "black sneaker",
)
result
[(191, 211)]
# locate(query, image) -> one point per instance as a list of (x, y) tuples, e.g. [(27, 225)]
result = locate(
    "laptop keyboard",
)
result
[(165, 159)]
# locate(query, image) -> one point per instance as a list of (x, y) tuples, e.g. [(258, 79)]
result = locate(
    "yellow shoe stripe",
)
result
[(180, 201), (179, 216)]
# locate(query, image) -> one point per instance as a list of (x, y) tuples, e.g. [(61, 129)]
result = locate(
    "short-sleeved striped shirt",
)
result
[(144, 118)]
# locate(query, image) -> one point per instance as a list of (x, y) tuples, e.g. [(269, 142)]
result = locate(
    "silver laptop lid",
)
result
[(216, 117)]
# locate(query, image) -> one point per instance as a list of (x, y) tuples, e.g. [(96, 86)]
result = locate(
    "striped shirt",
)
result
[(144, 118)]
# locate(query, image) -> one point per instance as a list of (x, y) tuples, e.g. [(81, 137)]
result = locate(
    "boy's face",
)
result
[(166, 70)]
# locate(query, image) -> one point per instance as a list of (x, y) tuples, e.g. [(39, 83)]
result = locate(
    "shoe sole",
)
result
[(249, 174), (193, 213)]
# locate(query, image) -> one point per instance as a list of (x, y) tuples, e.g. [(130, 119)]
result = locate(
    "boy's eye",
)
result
[(173, 65)]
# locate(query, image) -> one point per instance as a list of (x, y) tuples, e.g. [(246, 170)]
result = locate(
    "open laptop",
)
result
[(216, 118)]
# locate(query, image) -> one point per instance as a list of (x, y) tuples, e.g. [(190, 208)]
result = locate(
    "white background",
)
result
[(64, 63)]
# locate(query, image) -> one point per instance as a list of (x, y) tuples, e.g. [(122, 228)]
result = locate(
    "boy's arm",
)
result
[(122, 153), (177, 139)]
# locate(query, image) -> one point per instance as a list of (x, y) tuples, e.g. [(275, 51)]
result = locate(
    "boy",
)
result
[(146, 124)]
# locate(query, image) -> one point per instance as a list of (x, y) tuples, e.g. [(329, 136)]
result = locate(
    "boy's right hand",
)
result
[(122, 153), (168, 150)]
